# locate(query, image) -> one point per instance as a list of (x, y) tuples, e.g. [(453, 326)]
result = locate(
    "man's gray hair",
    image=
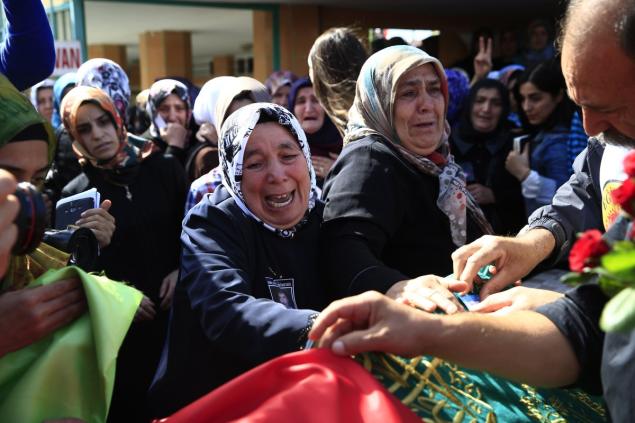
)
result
[(615, 15)]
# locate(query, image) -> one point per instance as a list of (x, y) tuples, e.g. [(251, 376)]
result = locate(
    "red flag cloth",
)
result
[(306, 386)]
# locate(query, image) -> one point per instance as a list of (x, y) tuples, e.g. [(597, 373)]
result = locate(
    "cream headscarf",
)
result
[(372, 114), (257, 92)]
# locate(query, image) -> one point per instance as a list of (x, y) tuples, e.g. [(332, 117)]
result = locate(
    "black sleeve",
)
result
[(364, 208), (177, 152), (577, 205), (215, 273), (577, 316), (179, 179), (355, 246)]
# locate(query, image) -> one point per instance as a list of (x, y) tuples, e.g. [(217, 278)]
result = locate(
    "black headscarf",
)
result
[(327, 139), (466, 129)]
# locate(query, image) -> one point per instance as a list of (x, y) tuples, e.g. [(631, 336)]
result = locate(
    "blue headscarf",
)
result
[(58, 88)]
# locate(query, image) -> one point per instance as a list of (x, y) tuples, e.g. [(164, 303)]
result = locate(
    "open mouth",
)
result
[(279, 200), (426, 125)]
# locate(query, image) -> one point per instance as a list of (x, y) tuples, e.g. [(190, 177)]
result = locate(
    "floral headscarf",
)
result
[(159, 91), (205, 104), (131, 150), (233, 140), (372, 114), (109, 77), (62, 82), (279, 79)]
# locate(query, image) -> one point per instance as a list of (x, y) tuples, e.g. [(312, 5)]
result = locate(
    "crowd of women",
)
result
[(241, 210)]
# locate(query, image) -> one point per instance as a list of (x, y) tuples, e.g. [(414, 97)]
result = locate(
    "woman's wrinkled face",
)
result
[(45, 102), (308, 110), (419, 110), (275, 182), (96, 132), (537, 104), (486, 110), (174, 110)]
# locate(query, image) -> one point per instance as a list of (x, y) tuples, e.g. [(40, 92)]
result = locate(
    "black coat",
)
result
[(483, 162), (381, 221), (144, 249), (227, 315)]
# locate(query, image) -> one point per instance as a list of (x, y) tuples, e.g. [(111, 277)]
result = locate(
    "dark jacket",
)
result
[(227, 316), (483, 162), (381, 221), (607, 361), (143, 251)]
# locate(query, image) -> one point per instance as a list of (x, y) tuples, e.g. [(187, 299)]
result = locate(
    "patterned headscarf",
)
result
[(61, 83), (233, 141), (159, 91), (372, 114), (131, 150), (205, 104), (257, 93), (109, 77), (279, 79), (47, 83)]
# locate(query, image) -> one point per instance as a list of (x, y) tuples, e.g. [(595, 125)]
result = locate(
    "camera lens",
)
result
[(31, 219)]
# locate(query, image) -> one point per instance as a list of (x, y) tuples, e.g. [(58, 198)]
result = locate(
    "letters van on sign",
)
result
[(68, 57)]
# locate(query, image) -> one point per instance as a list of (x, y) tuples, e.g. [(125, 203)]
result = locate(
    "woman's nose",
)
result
[(275, 172)]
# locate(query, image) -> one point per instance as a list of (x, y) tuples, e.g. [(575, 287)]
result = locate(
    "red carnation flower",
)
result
[(587, 250), (629, 164), (624, 195)]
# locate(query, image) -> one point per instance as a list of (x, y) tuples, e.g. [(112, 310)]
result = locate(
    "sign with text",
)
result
[(68, 57)]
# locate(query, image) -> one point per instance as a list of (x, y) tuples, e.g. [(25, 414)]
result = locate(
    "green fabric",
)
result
[(71, 372), (438, 391), (17, 114)]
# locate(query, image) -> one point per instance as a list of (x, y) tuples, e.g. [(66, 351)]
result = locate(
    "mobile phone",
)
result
[(519, 143), (68, 210)]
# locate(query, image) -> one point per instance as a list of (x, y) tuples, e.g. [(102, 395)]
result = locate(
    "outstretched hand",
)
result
[(428, 292), (513, 258), (371, 322)]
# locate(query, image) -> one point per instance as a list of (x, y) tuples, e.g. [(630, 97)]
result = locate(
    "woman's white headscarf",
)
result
[(205, 104)]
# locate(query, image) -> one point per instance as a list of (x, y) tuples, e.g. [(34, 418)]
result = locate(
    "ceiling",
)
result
[(228, 29), (214, 31)]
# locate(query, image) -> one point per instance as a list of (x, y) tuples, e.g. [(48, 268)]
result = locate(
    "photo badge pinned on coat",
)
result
[(282, 291)]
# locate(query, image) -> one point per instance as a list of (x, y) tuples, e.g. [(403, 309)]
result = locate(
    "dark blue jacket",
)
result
[(607, 361), (27, 55), (226, 316)]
